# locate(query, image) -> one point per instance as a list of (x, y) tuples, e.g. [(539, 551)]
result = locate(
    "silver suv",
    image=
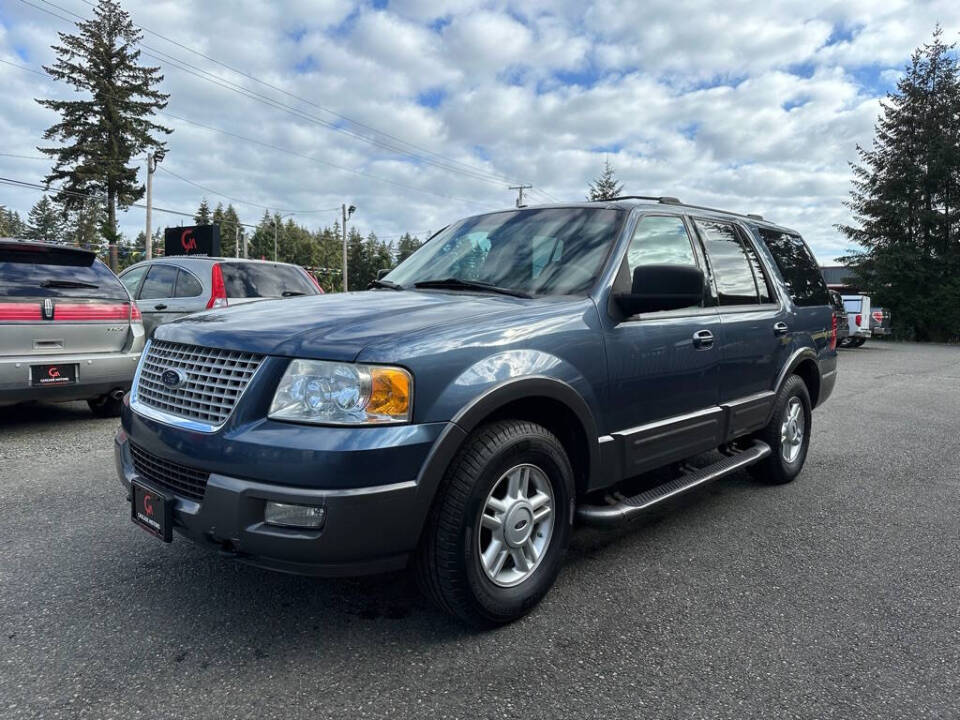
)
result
[(171, 287), (68, 328)]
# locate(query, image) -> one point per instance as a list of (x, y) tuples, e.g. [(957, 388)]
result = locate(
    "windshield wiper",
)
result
[(388, 284), (291, 293), (453, 283), (68, 284)]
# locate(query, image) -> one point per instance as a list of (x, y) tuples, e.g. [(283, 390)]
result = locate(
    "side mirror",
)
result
[(382, 273), (662, 287)]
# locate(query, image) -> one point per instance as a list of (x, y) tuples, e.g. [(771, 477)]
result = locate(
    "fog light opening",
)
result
[(298, 516)]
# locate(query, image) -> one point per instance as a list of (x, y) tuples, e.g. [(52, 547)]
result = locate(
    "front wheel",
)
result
[(499, 527), (787, 434)]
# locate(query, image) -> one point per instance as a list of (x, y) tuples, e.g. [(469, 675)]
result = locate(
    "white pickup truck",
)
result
[(858, 320)]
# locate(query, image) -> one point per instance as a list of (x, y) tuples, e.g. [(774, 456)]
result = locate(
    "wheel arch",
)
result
[(805, 364), (540, 399)]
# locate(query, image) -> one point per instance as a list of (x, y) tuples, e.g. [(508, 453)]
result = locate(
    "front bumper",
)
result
[(368, 527), (97, 374)]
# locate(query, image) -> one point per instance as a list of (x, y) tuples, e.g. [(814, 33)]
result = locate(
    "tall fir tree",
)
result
[(231, 231), (905, 197), (202, 215), (44, 223), (606, 186), (406, 246), (100, 135), (11, 225), (83, 225)]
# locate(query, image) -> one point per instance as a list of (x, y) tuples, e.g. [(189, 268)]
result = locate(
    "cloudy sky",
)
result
[(755, 107)]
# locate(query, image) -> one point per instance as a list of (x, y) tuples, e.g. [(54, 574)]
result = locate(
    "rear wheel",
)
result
[(857, 342), (499, 527), (787, 434), (106, 406)]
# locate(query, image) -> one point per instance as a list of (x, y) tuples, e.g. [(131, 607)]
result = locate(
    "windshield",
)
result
[(554, 251)]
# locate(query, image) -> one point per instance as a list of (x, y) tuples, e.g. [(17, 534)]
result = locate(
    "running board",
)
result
[(620, 509)]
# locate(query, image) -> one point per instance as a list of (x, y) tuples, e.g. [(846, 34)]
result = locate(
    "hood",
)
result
[(333, 327)]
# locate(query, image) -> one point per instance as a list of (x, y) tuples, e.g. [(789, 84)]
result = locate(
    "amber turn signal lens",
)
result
[(390, 392)]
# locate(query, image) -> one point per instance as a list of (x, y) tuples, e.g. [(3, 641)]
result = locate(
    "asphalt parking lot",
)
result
[(837, 596)]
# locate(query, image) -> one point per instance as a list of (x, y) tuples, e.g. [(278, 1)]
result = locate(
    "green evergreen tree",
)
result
[(407, 245), (606, 186), (202, 215), (101, 134), (229, 227), (11, 225), (905, 197), (83, 225), (44, 223)]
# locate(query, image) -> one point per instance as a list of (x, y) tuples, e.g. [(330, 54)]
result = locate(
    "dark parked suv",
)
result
[(507, 379)]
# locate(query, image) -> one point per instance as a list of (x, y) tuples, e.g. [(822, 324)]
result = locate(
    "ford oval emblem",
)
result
[(173, 378)]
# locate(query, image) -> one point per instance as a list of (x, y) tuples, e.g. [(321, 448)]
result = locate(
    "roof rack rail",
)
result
[(665, 199), (755, 216)]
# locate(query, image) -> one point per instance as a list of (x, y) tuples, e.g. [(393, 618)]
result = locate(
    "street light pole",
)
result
[(152, 160)]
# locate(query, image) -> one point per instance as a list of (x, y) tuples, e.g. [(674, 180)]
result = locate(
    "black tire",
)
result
[(105, 406), (448, 564), (858, 342), (775, 469), (844, 342)]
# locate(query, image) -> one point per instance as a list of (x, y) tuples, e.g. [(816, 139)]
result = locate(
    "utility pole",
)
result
[(520, 189), (236, 242), (276, 222), (152, 160), (347, 212)]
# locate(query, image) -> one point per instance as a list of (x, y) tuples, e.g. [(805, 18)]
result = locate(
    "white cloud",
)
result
[(754, 107)]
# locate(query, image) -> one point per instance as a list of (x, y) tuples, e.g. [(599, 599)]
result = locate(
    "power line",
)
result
[(23, 157), (242, 202), (294, 153), (304, 156), (472, 168), (271, 102), (23, 67)]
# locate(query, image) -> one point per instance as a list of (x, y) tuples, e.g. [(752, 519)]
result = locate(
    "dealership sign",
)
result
[(196, 240)]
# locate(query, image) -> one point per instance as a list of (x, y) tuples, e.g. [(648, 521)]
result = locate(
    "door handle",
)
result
[(161, 306), (780, 328), (703, 339)]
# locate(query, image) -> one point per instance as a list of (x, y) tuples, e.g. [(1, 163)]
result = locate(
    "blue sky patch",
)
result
[(432, 97)]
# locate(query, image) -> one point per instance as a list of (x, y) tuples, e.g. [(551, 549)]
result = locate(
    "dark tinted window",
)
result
[(247, 280), (188, 285), (132, 278), (27, 271), (660, 241), (798, 268), (729, 262), (550, 251), (160, 283)]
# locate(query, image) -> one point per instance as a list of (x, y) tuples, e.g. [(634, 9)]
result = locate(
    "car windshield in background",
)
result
[(252, 280), (552, 251), (29, 272)]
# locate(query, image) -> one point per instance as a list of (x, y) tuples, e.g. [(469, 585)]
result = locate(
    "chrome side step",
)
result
[(621, 509)]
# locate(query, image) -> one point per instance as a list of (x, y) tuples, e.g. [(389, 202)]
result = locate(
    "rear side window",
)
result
[(853, 305), (729, 262), (249, 280), (161, 282), (131, 279), (56, 273), (660, 240), (798, 268), (188, 285)]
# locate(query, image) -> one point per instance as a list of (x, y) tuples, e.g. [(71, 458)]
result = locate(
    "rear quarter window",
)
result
[(30, 272), (249, 280), (798, 268)]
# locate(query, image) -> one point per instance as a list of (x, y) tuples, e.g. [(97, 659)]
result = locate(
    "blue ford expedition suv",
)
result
[(518, 373)]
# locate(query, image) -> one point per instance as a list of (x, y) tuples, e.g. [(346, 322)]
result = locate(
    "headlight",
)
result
[(335, 393)]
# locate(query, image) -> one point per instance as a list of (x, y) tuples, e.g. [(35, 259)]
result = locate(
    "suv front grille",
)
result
[(215, 379), (182, 480)]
